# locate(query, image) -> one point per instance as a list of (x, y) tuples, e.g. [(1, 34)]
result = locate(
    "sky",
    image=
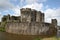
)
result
[(51, 8)]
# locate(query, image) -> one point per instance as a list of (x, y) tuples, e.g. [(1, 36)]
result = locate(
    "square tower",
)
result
[(33, 15), (54, 22), (39, 17), (25, 15)]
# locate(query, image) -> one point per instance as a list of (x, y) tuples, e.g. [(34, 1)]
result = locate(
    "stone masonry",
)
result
[(31, 23)]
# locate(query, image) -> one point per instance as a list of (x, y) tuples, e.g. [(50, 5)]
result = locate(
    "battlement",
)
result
[(25, 9)]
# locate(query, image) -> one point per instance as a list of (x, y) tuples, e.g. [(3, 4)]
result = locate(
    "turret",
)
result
[(25, 14), (54, 22), (8, 18), (40, 17)]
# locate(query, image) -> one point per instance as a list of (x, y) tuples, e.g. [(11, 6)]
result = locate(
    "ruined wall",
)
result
[(15, 27), (25, 28), (32, 23)]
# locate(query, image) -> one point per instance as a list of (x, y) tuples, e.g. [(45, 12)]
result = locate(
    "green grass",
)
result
[(48, 38), (51, 38), (2, 29), (37, 39), (2, 26)]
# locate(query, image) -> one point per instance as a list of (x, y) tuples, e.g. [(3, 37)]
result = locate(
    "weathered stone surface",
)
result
[(32, 23)]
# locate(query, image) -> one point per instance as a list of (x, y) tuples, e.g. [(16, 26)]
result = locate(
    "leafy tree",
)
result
[(5, 17), (4, 21)]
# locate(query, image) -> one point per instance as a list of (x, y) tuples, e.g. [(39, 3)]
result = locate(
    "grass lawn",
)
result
[(31, 37), (2, 29), (51, 38)]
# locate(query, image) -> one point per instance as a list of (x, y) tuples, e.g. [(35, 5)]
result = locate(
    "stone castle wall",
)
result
[(26, 28), (23, 28), (31, 23)]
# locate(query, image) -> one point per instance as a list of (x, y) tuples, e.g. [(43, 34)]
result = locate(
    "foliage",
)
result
[(2, 29), (4, 22), (5, 17), (37, 39), (2, 26), (51, 38), (48, 38)]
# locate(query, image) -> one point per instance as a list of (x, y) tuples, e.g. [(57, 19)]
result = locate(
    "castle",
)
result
[(31, 22)]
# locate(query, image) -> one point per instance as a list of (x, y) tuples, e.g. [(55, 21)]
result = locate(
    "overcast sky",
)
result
[(51, 8)]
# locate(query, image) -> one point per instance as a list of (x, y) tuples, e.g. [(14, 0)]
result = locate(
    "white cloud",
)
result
[(16, 11), (34, 6), (5, 4), (46, 7), (52, 14), (33, 1)]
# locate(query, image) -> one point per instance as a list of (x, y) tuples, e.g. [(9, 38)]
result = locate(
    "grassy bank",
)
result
[(30, 37), (2, 29), (51, 38)]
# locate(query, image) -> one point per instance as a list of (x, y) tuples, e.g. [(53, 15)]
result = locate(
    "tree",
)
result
[(5, 18)]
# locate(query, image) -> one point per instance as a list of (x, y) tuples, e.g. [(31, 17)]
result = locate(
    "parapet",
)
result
[(25, 9), (54, 22)]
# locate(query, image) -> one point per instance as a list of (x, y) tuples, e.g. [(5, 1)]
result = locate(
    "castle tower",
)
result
[(25, 15), (54, 22), (39, 17), (42, 14), (33, 15), (8, 18)]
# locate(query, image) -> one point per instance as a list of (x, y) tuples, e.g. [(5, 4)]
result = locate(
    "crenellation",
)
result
[(25, 9)]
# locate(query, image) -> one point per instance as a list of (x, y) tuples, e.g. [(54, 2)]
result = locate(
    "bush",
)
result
[(37, 39), (2, 29)]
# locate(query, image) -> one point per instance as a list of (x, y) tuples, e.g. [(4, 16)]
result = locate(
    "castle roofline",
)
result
[(25, 9)]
